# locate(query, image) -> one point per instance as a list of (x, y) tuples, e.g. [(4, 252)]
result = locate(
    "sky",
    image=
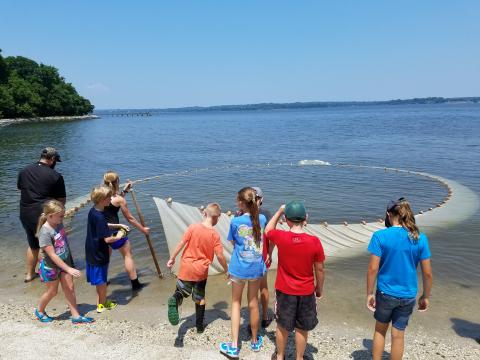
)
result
[(157, 54)]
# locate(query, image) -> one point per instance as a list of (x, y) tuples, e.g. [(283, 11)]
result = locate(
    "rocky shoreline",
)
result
[(5, 122), (23, 337)]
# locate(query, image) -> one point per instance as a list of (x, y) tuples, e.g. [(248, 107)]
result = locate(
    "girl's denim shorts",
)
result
[(389, 308)]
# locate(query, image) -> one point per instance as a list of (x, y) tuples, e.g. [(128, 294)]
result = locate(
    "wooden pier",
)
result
[(128, 113)]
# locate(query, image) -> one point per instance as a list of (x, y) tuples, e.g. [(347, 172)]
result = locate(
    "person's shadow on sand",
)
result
[(124, 295), (466, 329), (366, 354), (218, 312), (290, 348)]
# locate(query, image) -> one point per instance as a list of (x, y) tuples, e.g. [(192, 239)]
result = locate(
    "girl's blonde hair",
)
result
[(100, 193), (111, 179), (50, 207), (248, 196), (402, 211)]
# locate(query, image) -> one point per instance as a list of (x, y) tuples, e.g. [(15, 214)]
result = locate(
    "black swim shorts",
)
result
[(296, 311), (30, 229)]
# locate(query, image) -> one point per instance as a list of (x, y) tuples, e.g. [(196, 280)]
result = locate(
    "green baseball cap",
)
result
[(295, 211)]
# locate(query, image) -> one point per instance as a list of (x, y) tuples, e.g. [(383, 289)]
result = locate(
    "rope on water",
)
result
[(82, 201)]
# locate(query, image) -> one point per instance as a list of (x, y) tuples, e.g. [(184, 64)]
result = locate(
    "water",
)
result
[(237, 148)]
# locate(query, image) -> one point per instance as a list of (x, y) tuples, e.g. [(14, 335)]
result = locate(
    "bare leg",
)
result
[(101, 293), (52, 289), (126, 252), (252, 296), (237, 290), (379, 340), (397, 344), (301, 337), (264, 296), (32, 259), (66, 280), (282, 337)]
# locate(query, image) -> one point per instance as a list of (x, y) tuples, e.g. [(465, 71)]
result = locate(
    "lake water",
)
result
[(209, 156), (234, 149)]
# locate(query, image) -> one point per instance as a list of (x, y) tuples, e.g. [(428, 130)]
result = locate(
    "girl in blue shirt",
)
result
[(395, 254), (246, 267)]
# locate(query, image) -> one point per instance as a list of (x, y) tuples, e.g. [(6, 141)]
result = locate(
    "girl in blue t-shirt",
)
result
[(246, 267), (395, 254)]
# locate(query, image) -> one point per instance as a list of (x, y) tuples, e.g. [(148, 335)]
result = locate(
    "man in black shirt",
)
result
[(38, 183)]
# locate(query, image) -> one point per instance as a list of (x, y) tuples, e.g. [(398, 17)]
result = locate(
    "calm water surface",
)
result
[(234, 149)]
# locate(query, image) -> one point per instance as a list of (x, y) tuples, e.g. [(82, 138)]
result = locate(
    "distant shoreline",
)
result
[(300, 105), (4, 122)]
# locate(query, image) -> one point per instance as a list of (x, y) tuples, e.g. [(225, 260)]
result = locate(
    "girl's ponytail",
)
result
[(110, 179), (249, 197), (404, 214), (41, 220)]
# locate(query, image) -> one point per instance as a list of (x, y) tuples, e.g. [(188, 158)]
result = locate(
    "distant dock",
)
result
[(126, 113)]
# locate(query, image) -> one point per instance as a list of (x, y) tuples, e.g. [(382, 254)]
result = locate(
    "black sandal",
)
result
[(27, 280)]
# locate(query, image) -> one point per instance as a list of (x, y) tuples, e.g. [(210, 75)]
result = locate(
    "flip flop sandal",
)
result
[(44, 318), (27, 280), (82, 320)]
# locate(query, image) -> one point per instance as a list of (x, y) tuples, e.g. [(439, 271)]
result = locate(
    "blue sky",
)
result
[(134, 54)]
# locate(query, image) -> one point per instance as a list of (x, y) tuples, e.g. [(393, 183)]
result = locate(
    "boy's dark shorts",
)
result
[(389, 308), (296, 311), (194, 288)]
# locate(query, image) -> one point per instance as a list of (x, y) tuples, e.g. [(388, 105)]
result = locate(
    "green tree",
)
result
[(29, 89)]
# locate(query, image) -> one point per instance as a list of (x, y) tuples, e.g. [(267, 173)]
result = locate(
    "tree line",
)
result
[(29, 89)]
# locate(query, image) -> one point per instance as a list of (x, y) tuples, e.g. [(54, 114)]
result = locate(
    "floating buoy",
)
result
[(169, 200)]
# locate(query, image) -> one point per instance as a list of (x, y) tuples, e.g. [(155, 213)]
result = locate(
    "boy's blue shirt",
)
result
[(96, 249), (399, 258), (246, 261)]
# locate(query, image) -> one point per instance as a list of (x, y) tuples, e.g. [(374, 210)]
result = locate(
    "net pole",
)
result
[(147, 236)]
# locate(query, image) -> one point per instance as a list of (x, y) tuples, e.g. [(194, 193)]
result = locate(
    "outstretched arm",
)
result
[(50, 251), (373, 267), (272, 224), (130, 218), (177, 250), (427, 284)]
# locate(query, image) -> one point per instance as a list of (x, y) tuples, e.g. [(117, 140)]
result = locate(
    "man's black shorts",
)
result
[(30, 227), (296, 311)]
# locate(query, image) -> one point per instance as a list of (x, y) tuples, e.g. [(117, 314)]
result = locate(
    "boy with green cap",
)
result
[(295, 286)]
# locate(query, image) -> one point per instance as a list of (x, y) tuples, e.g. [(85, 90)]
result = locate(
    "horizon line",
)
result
[(308, 104)]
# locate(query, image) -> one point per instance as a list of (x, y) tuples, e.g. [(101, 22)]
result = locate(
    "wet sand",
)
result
[(138, 327)]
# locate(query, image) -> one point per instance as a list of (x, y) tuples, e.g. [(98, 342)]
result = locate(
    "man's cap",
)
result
[(50, 153), (258, 191), (295, 211)]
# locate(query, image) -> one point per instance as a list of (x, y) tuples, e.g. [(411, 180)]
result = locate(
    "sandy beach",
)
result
[(23, 337), (138, 327)]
